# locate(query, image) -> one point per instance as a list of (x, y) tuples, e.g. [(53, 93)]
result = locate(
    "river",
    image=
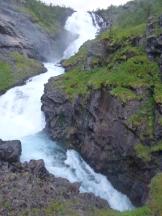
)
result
[(21, 118)]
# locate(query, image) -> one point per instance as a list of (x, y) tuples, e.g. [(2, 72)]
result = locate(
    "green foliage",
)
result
[(124, 94), (144, 152), (136, 72), (51, 18), (123, 34), (17, 69), (78, 58), (144, 211), (158, 92), (155, 202), (144, 118), (55, 208), (133, 13), (5, 75)]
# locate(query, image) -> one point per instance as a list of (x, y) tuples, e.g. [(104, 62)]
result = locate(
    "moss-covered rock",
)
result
[(15, 68), (110, 100)]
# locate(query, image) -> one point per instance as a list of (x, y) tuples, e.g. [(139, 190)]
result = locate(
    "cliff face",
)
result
[(108, 106), (21, 28), (97, 126), (29, 34)]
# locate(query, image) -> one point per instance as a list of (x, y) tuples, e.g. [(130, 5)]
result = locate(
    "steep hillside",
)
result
[(108, 105), (29, 32)]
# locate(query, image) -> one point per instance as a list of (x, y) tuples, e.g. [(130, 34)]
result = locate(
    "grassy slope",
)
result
[(17, 69)]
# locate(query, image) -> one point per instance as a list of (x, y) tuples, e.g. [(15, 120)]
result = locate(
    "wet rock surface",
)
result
[(29, 189)]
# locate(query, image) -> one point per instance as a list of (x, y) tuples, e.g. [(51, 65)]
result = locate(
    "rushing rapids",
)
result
[(21, 118)]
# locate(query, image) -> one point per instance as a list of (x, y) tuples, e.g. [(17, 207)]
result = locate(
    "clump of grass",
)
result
[(144, 152), (143, 119), (156, 195), (17, 69), (134, 73), (124, 94), (5, 75), (117, 34)]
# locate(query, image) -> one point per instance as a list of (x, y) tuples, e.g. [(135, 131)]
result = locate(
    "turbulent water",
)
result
[(21, 118)]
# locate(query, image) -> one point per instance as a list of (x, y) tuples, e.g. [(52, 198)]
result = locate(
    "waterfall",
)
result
[(21, 118)]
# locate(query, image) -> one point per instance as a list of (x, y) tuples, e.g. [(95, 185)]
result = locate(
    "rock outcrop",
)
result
[(115, 122), (98, 128), (21, 31), (10, 151), (29, 189)]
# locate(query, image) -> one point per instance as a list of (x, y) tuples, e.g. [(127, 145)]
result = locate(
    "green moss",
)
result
[(17, 69), (124, 94), (144, 152), (155, 202), (136, 72), (160, 121), (5, 75), (158, 92), (144, 211), (78, 58), (144, 119), (55, 208), (152, 208), (123, 34), (134, 12), (125, 53)]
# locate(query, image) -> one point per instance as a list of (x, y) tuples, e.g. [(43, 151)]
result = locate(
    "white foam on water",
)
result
[(21, 118)]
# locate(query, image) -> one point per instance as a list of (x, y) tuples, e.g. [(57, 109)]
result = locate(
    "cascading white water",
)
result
[(21, 118)]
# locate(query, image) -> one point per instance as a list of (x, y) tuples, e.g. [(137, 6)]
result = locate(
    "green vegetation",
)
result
[(152, 208), (156, 196), (144, 118), (78, 58), (51, 18), (5, 74), (73, 207), (133, 13), (136, 72), (124, 68), (124, 94), (17, 69), (145, 211), (123, 35), (144, 152)]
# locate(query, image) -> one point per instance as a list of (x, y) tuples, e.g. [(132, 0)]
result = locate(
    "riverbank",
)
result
[(26, 40)]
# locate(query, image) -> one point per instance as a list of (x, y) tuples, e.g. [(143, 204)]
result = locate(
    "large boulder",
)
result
[(10, 151)]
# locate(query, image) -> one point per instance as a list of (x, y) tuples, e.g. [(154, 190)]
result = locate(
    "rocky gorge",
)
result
[(26, 40), (29, 189), (108, 107), (108, 104)]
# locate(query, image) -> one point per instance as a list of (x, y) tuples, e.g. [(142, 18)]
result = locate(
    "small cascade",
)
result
[(98, 21)]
